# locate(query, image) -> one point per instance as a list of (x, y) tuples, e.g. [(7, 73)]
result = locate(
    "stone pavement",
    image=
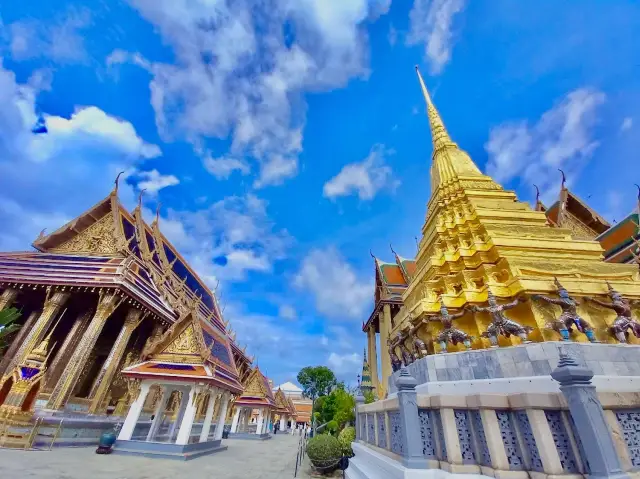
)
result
[(272, 459)]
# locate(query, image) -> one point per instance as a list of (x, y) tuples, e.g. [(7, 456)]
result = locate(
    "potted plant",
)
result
[(324, 452)]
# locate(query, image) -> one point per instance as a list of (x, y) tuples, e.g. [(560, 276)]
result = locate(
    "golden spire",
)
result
[(448, 161), (439, 133)]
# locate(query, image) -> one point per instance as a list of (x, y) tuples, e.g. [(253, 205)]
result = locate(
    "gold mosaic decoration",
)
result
[(98, 238)]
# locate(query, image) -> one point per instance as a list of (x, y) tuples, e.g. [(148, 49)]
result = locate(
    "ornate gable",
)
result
[(281, 400), (182, 343), (97, 239), (255, 385)]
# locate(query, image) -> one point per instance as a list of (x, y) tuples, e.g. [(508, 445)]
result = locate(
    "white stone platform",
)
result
[(523, 368)]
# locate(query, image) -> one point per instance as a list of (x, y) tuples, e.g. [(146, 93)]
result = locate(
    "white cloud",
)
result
[(349, 364), (51, 176), (287, 311), (338, 291), (222, 168), (561, 138), (365, 178), (241, 70), (153, 181), (228, 239), (627, 123), (432, 24), (59, 39)]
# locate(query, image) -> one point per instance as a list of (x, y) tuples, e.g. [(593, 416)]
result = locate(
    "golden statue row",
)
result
[(483, 253), (623, 325)]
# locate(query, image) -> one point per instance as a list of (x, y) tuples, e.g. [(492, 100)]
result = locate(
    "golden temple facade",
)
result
[(492, 271), (93, 297)]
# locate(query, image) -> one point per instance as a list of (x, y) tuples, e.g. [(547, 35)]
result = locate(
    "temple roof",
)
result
[(282, 404), (618, 241), (191, 350), (106, 246), (107, 229), (257, 392), (392, 280), (580, 210)]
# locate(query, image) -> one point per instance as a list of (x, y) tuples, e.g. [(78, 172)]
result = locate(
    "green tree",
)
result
[(316, 381), (8, 318)]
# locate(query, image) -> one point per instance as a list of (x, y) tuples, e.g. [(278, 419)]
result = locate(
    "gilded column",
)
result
[(109, 369), (373, 356), (106, 306), (17, 341), (385, 359), (7, 298), (70, 342), (52, 306)]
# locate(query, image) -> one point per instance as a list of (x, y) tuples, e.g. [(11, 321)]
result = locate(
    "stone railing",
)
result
[(576, 432)]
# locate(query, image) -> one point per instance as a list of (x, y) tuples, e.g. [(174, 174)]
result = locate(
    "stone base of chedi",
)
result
[(524, 368)]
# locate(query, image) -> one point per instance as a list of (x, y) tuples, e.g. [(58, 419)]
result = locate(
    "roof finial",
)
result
[(564, 178), (140, 197), (115, 189), (417, 243), (371, 253), (157, 220), (392, 250), (41, 235), (538, 202), (439, 133), (564, 194), (638, 186)]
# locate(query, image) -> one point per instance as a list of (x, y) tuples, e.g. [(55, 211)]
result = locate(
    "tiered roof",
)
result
[(283, 405), (191, 350), (108, 247), (391, 282), (257, 392)]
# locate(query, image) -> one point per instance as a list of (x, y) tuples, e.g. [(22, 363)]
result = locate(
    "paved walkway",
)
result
[(245, 459)]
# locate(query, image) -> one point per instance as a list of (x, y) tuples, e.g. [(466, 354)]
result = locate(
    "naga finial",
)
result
[(371, 253), (140, 197), (158, 212), (417, 243), (392, 250), (564, 178), (115, 190), (41, 235)]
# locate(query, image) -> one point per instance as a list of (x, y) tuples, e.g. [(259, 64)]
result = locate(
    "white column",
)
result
[(223, 414), (283, 423), (183, 405), (260, 424), (188, 417), (159, 413), (134, 413), (206, 425), (236, 419), (268, 421)]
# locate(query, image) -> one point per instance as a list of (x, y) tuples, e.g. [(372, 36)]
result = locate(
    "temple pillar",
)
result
[(7, 298), (52, 306), (260, 423), (236, 420), (163, 402), (109, 369), (64, 353), (188, 416), (385, 359), (134, 413), (184, 397), (17, 341), (208, 417), (107, 304), (225, 399), (283, 422), (373, 356)]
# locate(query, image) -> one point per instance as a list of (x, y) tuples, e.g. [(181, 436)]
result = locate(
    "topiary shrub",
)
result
[(324, 452), (345, 438)]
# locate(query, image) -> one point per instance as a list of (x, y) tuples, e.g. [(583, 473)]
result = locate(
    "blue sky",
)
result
[(287, 140)]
